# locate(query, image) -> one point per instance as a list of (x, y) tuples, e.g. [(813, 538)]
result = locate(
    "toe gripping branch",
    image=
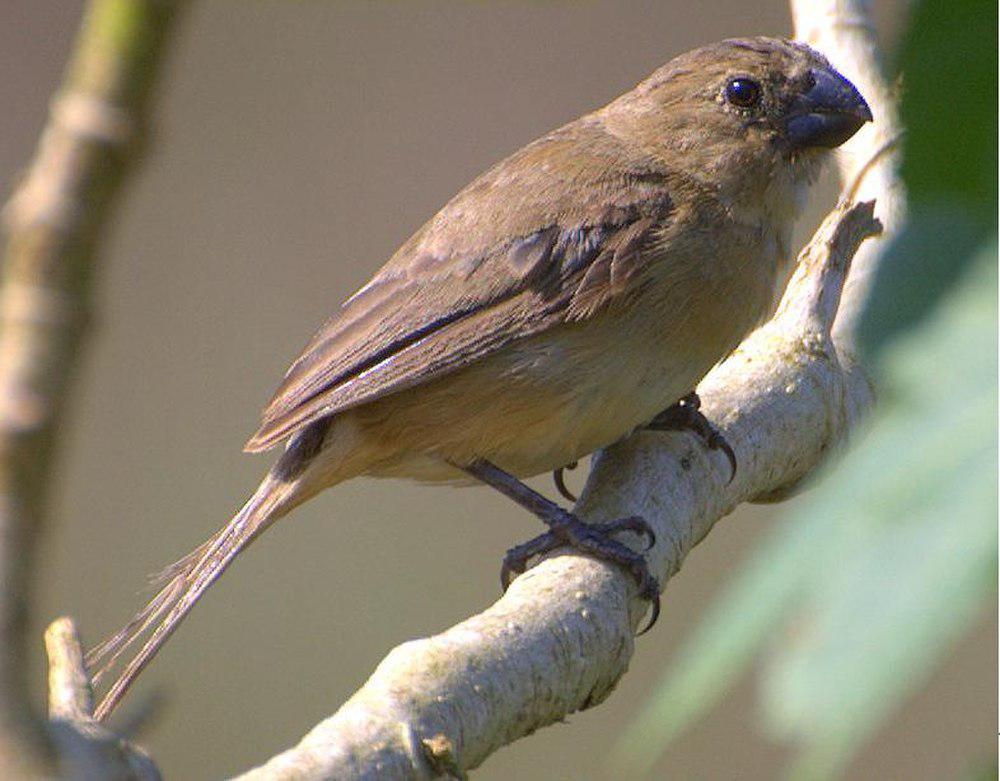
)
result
[(565, 529), (686, 415), (559, 480)]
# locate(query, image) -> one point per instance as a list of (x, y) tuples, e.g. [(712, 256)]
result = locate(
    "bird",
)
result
[(573, 293)]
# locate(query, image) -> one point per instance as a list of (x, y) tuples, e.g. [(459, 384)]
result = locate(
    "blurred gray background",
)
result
[(297, 144)]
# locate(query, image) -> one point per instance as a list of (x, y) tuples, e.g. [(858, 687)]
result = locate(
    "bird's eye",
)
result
[(743, 92)]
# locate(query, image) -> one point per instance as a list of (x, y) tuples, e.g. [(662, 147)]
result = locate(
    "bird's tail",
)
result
[(182, 583)]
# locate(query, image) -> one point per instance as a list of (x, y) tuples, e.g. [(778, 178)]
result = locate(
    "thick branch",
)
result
[(562, 635), (53, 225)]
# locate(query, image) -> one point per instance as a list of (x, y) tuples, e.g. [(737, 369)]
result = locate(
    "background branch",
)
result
[(84, 748), (844, 30), (53, 224)]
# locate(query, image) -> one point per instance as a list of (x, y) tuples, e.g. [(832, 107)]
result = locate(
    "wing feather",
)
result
[(457, 291)]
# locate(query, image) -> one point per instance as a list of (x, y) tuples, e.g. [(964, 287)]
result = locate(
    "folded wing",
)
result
[(513, 254)]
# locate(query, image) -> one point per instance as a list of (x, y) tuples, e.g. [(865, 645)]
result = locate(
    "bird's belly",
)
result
[(608, 400), (537, 405)]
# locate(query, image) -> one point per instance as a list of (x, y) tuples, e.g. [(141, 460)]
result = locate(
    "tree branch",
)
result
[(869, 162), (562, 635), (53, 225), (84, 747)]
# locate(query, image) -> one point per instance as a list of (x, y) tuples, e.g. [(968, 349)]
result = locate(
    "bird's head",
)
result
[(743, 107)]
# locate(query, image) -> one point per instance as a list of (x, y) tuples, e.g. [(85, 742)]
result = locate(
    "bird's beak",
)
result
[(828, 114)]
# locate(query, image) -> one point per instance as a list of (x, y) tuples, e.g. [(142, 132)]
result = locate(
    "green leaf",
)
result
[(925, 259), (948, 59), (949, 62), (921, 566)]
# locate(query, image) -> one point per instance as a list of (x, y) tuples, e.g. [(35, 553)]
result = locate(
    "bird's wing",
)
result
[(508, 257)]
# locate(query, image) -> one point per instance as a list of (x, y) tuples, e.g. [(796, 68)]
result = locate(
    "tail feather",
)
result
[(168, 581), (168, 573), (183, 583)]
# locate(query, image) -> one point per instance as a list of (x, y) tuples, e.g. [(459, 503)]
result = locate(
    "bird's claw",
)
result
[(557, 478), (594, 540), (633, 523), (686, 415)]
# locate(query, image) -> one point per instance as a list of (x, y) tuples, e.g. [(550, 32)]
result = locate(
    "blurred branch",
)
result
[(54, 223), (84, 747), (562, 635), (845, 32)]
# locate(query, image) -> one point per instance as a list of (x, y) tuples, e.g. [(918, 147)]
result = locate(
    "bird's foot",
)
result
[(686, 415), (594, 540), (566, 529)]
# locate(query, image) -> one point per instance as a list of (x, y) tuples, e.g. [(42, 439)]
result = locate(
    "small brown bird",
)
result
[(553, 306)]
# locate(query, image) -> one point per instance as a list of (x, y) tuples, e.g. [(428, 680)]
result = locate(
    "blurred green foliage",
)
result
[(893, 555), (949, 62), (908, 522)]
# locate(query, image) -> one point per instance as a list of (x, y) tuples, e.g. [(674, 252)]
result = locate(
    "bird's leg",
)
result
[(565, 529), (686, 415)]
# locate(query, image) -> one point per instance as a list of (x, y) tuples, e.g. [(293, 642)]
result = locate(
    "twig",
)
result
[(85, 748), (70, 693), (53, 225)]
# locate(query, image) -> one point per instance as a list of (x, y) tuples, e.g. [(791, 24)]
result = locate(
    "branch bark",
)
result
[(845, 32), (54, 223), (85, 749), (562, 635)]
